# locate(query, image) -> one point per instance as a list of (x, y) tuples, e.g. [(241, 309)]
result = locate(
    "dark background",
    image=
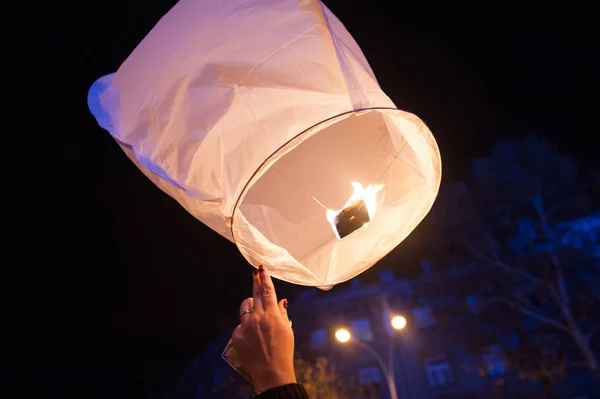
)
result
[(121, 287)]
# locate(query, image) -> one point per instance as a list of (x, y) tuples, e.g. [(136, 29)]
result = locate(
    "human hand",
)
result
[(264, 340)]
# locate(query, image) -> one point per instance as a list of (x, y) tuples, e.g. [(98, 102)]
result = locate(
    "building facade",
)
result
[(451, 346)]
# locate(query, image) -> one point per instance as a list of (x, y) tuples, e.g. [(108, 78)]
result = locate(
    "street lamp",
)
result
[(398, 322), (343, 335)]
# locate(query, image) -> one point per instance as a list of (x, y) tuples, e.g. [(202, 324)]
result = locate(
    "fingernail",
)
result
[(261, 269), (285, 303), (255, 272)]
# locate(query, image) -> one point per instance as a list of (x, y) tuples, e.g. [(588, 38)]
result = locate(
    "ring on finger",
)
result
[(245, 312)]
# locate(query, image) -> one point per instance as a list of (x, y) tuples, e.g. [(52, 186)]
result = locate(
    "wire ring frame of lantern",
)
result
[(250, 180), (243, 192)]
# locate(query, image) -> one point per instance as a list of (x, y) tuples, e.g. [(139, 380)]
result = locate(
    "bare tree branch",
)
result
[(555, 293), (560, 281), (539, 207), (530, 312), (590, 335), (496, 262)]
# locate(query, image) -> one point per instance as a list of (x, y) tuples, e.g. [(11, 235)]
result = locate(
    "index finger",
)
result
[(256, 292), (267, 289)]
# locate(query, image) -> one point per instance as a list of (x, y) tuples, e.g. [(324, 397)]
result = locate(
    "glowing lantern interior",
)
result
[(286, 214), (366, 197)]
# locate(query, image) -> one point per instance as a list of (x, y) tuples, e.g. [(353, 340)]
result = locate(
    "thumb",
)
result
[(283, 304)]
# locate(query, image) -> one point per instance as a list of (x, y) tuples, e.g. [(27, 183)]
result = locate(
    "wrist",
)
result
[(272, 379)]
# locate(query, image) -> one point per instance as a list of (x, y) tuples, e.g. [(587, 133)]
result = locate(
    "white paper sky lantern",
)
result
[(263, 119)]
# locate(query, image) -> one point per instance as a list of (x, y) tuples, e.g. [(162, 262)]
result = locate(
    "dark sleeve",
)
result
[(289, 391)]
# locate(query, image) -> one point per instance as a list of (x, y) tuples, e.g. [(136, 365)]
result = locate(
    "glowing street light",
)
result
[(343, 335), (398, 322)]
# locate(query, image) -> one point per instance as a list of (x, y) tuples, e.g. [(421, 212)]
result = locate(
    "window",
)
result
[(404, 286), (308, 293), (218, 377), (427, 267), (369, 375), (318, 339), (473, 304), (438, 371), (386, 276), (423, 317), (369, 378), (512, 342), (550, 344), (493, 361), (361, 329)]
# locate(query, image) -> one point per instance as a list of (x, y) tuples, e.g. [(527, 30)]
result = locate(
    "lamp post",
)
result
[(397, 322)]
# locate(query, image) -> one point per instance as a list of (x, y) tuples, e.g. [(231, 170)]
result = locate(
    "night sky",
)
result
[(121, 287)]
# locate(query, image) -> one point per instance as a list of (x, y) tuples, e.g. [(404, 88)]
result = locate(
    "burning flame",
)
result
[(368, 195)]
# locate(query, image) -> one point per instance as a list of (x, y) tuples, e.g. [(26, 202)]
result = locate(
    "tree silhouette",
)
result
[(526, 224), (323, 382)]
